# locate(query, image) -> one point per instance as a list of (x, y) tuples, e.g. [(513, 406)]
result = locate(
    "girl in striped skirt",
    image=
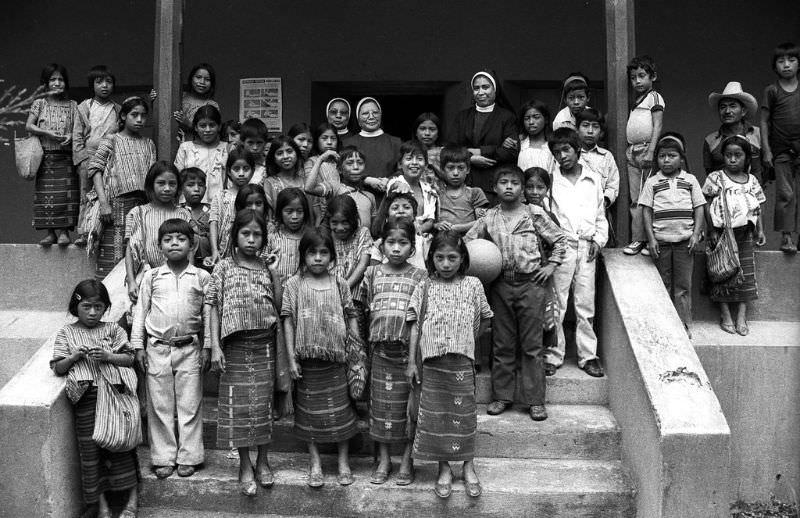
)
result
[(82, 350), (744, 198), (243, 316), (318, 313), (385, 292), (57, 197), (445, 315)]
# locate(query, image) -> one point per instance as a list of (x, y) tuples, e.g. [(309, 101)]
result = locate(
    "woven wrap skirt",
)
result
[(101, 470), (57, 197), (323, 410), (112, 239), (447, 421), (389, 391), (747, 290), (246, 390)]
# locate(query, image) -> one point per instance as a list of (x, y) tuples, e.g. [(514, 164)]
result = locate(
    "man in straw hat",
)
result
[(736, 109)]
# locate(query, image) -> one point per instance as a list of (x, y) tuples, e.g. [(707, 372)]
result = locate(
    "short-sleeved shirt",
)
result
[(72, 337), (319, 316), (536, 156), (211, 160), (462, 207), (223, 212), (784, 117), (712, 150), (564, 119), (640, 121), (673, 200), (453, 313), (350, 252), (244, 297), (365, 202), (601, 161), (123, 162), (286, 246), (744, 199), (387, 294), (54, 116)]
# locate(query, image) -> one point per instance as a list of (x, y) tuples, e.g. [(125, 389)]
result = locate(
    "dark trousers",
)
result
[(517, 326), (676, 264), (787, 187)]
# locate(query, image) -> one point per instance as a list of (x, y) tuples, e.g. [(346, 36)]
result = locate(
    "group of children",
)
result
[(265, 261)]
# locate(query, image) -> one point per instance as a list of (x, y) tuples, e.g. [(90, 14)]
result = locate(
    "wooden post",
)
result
[(620, 48), (166, 74)]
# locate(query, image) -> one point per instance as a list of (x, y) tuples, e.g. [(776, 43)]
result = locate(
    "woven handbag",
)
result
[(722, 258), (28, 155), (117, 422)]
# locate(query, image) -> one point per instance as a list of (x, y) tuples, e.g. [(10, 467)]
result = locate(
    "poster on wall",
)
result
[(261, 98)]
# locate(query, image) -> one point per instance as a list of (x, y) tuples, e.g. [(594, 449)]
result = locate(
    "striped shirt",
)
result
[(319, 315), (453, 314), (211, 160), (365, 203), (58, 116), (123, 161), (169, 306), (387, 295), (223, 211), (286, 246), (744, 200), (244, 298), (328, 175), (350, 252), (519, 246), (141, 231), (673, 200), (73, 337)]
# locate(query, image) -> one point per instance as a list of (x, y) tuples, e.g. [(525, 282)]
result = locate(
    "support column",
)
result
[(166, 74), (620, 48)]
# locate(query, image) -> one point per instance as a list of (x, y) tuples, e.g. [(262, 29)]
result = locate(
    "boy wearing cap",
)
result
[(643, 131), (736, 109)]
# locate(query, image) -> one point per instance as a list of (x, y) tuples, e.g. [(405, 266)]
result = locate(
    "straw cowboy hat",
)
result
[(733, 90)]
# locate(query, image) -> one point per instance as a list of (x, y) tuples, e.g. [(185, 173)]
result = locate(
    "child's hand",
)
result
[(217, 359), (510, 143), (179, 117), (294, 369), (272, 261), (654, 249), (443, 225), (133, 292), (105, 213), (480, 212), (208, 262), (694, 242), (141, 360), (98, 354), (761, 239), (66, 139), (329, 155), (713, 237), (412, 374), (482, 161), (767, 158), (153, 95), (543, 273), (205, 359)]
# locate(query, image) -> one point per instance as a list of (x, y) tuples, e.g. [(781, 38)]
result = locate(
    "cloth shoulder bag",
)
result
[(118, 422), (356, 360), (28, 155), (722, 258)]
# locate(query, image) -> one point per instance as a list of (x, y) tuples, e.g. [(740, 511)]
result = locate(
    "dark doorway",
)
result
[(401, 101)]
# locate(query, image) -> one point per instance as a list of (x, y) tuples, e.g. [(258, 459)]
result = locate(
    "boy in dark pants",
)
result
[(517, 297)]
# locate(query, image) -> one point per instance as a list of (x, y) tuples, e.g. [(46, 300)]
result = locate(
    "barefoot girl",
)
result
[(242, 297), (205, 150), (386, 292), (118, 170), (744, 198), (317, 314), (83, 351), (445, 315), (57, 197)]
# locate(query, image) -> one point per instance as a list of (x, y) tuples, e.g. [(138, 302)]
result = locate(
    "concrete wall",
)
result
[(698, 46), (674, 434)]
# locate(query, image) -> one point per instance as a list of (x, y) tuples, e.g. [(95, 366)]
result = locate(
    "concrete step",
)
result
[(569, 386), (552, 488), (162, 512), (22, 333), (570, 432), (762, 334)]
